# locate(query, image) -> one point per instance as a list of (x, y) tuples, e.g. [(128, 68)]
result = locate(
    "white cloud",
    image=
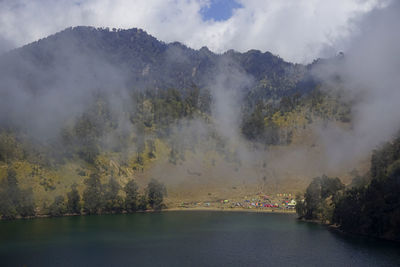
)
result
[(370, 73), (297, 30)]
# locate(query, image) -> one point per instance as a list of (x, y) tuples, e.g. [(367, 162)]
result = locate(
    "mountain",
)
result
[(120, 104), (147, 61)]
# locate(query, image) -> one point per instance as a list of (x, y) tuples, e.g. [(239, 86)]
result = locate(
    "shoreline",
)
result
[(334, 228), (232, 210), (277, 211)]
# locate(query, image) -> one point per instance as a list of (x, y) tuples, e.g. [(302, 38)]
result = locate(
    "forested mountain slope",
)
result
[(122, 104)]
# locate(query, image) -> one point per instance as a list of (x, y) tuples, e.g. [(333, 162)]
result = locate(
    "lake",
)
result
[(188, 238)]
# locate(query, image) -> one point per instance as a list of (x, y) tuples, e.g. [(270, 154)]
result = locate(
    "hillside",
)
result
[(122, 104)]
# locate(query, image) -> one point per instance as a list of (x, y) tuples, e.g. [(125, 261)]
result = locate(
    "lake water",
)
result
[(186, 239)]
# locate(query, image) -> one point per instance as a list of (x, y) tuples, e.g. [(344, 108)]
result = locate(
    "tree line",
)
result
[(370, 205), (97, 198)]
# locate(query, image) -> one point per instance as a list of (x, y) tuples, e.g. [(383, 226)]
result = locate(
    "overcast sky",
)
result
[(296, 30)]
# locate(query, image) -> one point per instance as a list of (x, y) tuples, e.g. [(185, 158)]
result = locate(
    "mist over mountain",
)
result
[(69, 67), (287, 107), (120, 103), (147, 61)]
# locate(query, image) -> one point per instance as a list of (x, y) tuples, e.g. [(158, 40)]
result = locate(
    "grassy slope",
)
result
[(204, 174)]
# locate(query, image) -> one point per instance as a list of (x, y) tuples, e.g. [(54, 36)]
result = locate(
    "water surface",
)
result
[(186, 239)]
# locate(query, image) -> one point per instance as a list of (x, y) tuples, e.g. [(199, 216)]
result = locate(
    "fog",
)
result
[(370, 77), (42, 96)]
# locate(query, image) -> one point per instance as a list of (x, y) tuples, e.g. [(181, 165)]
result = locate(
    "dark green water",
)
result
[(186, 239)]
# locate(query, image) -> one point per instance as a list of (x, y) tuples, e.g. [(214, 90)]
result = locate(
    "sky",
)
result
[(296, 30), (219, 10)]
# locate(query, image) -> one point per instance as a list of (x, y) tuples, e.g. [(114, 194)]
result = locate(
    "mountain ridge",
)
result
[(123, 105), (141, 54)]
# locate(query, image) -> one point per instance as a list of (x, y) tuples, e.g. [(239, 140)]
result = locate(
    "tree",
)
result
[(87, 130), (330, 186), (300, 206), (253, 126), (312, 199), (12, 186), (8, 210), (9, 147), (9, 193), (74, 201), (132, 196), (347, 212), (13, 200), (113, 202), (271, 136), (93, 195), (58, 207), (142, 203), (26, 206), (320, 199), (155, 194)]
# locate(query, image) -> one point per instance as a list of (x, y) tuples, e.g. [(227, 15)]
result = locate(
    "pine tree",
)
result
[(93, 195), (132, 196), (74, 200), (155, 194)]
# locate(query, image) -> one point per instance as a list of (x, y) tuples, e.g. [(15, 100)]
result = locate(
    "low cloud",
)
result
[(298, 31), (370, 77)]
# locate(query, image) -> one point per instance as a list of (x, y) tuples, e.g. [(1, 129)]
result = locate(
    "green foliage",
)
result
[(348, 210), (142, 203), (26, 203), (8, 210), (14, 201), (9, 147), (271, 133), (301, 208), (330, 187), (156, 103), (155, 194), (74, 201), (359, 181), (132, 196), (93, 196), (100, 198), (312, 199), (58, 207), (253, 127), (385, 158), (370, 206), (84, 136), (374, 209), (113, 202), (320, 198)]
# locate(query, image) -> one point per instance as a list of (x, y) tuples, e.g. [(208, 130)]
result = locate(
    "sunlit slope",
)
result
[(123, 104)]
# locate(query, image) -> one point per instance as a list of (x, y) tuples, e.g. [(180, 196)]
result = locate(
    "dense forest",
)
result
[(370, 205)]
